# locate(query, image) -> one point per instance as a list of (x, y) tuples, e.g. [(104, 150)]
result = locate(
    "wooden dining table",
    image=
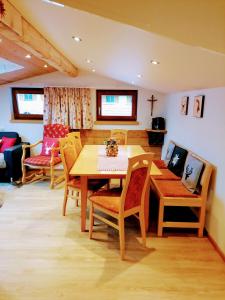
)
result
[(87, 167)]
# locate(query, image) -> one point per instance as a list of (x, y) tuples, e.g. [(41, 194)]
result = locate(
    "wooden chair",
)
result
[(122, 205), (73, 184), (77, 140), (120, 135), (46, 162), (174, 193)]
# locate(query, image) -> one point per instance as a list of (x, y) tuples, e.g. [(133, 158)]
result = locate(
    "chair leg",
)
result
[(52, 177), (160, 218), (91, 220), (23, 173), (65, 200), (122, 237), (201, 221), (142, 225)]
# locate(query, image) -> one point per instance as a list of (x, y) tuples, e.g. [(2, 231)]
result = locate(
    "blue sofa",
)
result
[(12, 157)]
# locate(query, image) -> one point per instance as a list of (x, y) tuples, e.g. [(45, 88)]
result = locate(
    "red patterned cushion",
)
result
[(40, 160), (160, 163), (56, 130), (166, 175), (48, 144), (7, 143), (136, 184), (172, 188)]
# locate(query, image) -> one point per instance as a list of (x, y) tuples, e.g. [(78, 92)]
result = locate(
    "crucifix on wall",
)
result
[(152, 100)]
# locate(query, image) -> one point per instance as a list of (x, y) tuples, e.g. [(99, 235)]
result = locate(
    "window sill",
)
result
[(116, 123), (26, 121)]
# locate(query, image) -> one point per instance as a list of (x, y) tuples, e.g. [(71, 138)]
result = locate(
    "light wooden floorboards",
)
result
[(45, 256)]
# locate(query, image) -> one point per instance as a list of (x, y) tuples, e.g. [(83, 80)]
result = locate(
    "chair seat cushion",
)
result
[(166, 175), (41, 160), (108, 199), (93, 184), (160, 164), (173, 188)]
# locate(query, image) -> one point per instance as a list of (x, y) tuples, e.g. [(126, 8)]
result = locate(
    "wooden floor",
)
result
[(45, 256)]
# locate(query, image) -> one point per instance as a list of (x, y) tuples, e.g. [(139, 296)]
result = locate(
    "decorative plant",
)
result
[(2, 9), (111, 147)]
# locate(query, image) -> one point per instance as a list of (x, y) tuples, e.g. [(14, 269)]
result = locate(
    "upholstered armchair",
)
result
[(45, 164)]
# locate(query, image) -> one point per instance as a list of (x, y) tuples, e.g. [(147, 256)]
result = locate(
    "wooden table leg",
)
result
[(84, 190)]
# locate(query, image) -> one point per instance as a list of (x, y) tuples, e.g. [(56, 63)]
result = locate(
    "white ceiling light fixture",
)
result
[(77, 39), (93, 70), (45, 66), (155, 62), (88, 61), (28, 56), (53, 3), (139, 76)]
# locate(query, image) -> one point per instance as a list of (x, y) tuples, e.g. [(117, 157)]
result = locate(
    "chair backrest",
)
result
[(75, 136), (137, 181), (120, 135), (56, 130), (68, 155)]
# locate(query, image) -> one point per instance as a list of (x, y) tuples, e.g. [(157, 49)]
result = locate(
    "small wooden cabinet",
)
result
[(156, 137)]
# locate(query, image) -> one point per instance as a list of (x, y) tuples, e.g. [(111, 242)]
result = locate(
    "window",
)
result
[(28, 103), (116, 105)]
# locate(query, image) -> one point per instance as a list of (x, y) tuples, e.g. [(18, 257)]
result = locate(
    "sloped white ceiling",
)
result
[(121, 51)]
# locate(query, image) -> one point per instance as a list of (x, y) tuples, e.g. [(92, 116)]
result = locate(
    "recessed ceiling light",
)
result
[(54, 3), (93, 70), (88, 61), (45, 66), (28, 56), (139, 75), (155, 62), (77, 39)]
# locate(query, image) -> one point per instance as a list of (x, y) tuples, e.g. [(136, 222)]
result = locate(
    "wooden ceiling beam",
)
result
[(14, 27)]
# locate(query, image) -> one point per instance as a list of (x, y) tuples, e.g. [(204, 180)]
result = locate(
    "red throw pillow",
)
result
[(48, 144), (7, 143)]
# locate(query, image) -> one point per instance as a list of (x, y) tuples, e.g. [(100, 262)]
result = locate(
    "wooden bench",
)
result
[(172, 192)]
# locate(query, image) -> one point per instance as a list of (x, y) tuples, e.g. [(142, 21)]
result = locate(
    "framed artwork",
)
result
[(184, 105), (198, 106)]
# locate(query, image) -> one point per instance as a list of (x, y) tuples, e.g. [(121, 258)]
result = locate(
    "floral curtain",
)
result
[(68, 106)]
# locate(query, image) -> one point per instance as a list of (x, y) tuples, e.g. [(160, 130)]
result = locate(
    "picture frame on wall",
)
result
[(198, 106), (184, 105)]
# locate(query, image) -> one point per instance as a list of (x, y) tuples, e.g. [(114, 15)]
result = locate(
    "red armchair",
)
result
[(48, 160)]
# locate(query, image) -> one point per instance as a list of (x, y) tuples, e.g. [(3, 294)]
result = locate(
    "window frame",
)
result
[(17, 114), (100, 93)]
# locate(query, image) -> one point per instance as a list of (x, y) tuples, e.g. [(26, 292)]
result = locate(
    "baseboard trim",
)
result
[(216, 247)]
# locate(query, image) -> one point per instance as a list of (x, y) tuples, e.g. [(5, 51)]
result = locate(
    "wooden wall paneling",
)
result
[(135, 137)]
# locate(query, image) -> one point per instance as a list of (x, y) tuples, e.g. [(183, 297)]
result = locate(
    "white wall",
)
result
[(32, 132), (206, 137)]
